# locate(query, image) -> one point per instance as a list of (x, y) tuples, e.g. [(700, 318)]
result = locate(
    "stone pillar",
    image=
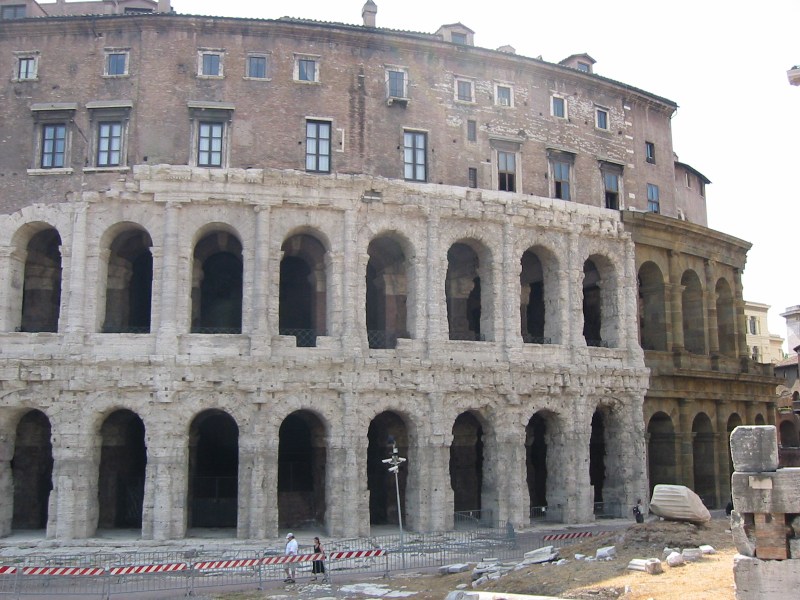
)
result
[(7, 435), (686, 455), (507, 294), (628, 314), (12, 276), (749, 413), (739, 327), (712, 327), (353, 297), (509, 474), (676, 301), (334, 299), (723, 455), (72, 310), (253, 491), (166, 487), (436, 323), (167, 337), (574, 281), (260, 338), (73, 506)]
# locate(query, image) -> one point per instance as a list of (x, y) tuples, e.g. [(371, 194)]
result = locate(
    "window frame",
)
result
[(248, 73), (317, 154), (472, 130), (202, 53), (653, 198), (564, 114), (112, 112), (49, 115), (457, 82), (601, 110), (472, 177), (555, 159), (403, 72), (504, 86), (15, 9), (650, 152), (584, 67), (298, 58), (19, 57), (52, 142), (414, 164), (109, 52), (210, 113), (504, 175)]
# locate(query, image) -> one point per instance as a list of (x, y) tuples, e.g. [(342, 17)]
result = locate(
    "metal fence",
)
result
[(154, 574)]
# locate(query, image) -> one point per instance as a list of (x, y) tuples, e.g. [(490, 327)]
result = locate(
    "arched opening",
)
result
[(694, 324), (213, 470), (788, 435), (538, 293), (597, 460), (705, 483), (384, 430), (652, 310), (387, 293), (41, 295), (302, 462), (733, 422), (661, 450), (123, 459), (217, 284), (536, 464), (32, 471), (468, 293), (592, 305), (303, 303), (466, 465), (725, 319), (129, 284), (760, 419)]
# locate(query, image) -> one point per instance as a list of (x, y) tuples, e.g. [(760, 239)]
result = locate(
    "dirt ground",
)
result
[(711, 578)]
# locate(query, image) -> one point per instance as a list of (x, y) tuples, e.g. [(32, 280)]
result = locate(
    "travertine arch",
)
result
[(694, 313), (601, 300), (217, 291), (540, 292), (470, 290), (661, 450), (726, 317), (652, 315), (390, 289)]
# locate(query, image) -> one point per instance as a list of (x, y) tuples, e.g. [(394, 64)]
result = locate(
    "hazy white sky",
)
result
[(724, 63)]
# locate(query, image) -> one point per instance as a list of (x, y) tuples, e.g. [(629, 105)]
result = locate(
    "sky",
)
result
[(724, 63)]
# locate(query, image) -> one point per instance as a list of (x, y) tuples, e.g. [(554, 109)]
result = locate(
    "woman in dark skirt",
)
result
[(318, 567)]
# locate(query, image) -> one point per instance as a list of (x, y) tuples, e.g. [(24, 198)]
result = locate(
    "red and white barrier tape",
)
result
[(356, 554), (7, 570), (227, 564), (552, 537), (90, 571), (281, 560), (139, 569)]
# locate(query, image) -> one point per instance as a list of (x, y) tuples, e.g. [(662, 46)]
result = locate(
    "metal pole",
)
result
[(400, 518)]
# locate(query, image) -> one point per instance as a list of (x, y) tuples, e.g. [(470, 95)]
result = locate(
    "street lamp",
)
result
[(395, 461)]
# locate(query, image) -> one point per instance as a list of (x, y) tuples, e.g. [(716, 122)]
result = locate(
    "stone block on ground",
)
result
[(541, 555), (647, 565), (607, 553), (754, 448), (765, 579), (692, 554), (675, 559), (455, 568), (706, 549), (777, 492), (678, 503)]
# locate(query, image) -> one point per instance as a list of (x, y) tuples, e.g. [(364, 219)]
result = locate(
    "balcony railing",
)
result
[(216, 330), (384, 340)]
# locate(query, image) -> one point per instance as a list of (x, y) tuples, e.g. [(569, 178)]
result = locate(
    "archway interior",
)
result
[(705, 484), (383, 428), (661, 450), (123, 460), (302, 296), (302, 462), (41, 292), (217, 284), (387, 293), (694, 325), (32, 471), (536, 463), (129, 283), (597, 457), (760, 419), (532, 303), (788, 435), (463, 293), (725, 319), (213, 470), (592, 304), (652, 309), (466, 464)]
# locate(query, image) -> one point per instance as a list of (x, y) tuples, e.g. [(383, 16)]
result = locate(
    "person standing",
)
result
[(291, 550), (318, 566)]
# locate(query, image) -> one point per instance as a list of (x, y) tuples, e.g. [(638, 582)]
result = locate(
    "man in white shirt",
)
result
[(291, 550)]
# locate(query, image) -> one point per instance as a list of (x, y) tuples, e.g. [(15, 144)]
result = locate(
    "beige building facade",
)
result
[(242, 259), (765, 347)]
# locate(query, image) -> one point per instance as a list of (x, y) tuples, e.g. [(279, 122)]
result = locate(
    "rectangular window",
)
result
[(753, 325), (116, 63), (396, 83), (688, 179), (54, 145), (256, 67), (318, 146), (650, 152), (601, 118), (653, 198), (306, 69), (503, 95), (414, 156), (212, 65), (584, 67), (472, 177), (458, 38), (611, 184), (702, 185), (109, 144), (472, 131), (464, 91), (14, 11), (506, 171), (559, 107), (26, 68), (561, 180), (209, 144)]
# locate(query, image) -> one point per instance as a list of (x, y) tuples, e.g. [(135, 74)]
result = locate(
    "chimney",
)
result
[(164, 6), (368, 13)]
